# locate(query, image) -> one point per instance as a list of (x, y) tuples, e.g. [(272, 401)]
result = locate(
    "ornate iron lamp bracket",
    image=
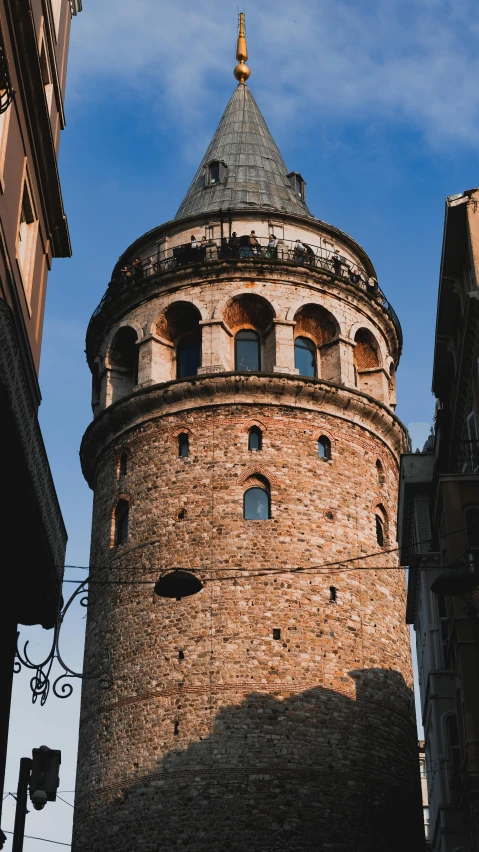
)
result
[(41, 681), (6, 91)]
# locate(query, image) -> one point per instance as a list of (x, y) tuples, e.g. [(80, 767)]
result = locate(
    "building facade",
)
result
[(34, 38), (243, 362), (439, 531)]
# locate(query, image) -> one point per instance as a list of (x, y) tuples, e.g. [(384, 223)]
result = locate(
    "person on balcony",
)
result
[(193, 243), (354, 276), (125, 273), (337, 263), (234, 244), (299, 252), (271, 250), (137, 269), (254, 244), (202, 247), (224, 251)]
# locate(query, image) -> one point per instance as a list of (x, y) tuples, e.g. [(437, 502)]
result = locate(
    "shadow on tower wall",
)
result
[(313, 771)]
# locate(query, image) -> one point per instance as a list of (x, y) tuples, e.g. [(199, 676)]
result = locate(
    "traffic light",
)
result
[(44, 777)]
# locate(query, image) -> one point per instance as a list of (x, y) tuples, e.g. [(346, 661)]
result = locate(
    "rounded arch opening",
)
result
[(368, 376), (366, 351), (315, 328), (250, 319), (179, 324), (123, 361)]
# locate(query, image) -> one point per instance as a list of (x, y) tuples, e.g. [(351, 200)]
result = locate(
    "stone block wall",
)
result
[(216, 733)]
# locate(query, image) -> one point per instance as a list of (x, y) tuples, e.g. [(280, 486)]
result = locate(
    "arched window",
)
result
[(324, 448), (255, 439), (305, 356), (183, 445), (123, 464), (187, 356), (256, 504), (247, 351), (379, 531), (121, 522)]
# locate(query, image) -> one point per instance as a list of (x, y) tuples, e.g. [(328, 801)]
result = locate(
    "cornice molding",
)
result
[(218, 389), (14, 380)]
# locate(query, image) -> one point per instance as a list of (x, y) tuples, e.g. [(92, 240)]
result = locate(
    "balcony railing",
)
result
[(464, 457), (284, 251)]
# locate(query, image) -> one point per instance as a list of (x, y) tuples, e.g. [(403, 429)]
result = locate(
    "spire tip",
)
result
[(241, 71)]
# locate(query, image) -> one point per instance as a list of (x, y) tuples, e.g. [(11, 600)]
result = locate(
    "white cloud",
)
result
[(413, 61)]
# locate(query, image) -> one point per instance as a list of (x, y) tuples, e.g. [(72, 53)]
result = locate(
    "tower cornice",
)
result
[(255, 389)]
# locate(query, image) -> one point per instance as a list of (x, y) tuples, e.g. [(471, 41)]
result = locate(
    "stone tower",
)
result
[(244, 430)]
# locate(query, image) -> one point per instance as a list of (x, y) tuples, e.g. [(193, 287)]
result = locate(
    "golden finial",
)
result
[(241, 71)]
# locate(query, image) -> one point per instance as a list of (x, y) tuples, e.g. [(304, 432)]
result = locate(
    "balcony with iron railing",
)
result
[(464, 458), (217, 251)]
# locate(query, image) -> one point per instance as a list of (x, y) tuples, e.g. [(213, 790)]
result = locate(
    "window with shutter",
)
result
[(422, 525)]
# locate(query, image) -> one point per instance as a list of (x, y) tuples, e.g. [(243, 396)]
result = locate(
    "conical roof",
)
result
[(255, 175)]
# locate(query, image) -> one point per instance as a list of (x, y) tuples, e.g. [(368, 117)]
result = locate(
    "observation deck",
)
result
[(214, 253)]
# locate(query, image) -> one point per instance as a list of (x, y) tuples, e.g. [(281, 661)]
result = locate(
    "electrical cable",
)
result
[(64, 800), (383, 551), (45, 839)]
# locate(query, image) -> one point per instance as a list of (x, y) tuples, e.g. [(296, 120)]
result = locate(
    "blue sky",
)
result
[(378, 108)]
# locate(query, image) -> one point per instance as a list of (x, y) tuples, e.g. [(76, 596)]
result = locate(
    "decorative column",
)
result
[(284, 336), (216, 349)]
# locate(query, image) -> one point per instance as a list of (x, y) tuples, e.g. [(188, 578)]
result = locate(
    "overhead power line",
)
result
[(45, 839)]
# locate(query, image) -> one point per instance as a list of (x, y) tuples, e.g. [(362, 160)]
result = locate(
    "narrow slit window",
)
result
[(183, 445), (276, 633), (332, 594), (123, 464), (380, 472), (121, 522), (255, 439), (379, 531)]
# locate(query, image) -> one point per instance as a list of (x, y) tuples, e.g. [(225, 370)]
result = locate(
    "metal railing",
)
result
[(220, 250), (464, 457)]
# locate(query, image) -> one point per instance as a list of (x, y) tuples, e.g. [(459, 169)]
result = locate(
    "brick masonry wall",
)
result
[(243, 741)]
